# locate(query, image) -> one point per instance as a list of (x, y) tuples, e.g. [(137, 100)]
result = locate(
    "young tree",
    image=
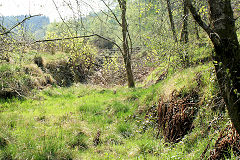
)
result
[(171, 20), (222, 32), (184, 33), (125, 43), (126, 40)]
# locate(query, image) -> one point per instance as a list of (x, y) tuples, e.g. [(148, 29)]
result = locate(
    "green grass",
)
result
[(62, 123)]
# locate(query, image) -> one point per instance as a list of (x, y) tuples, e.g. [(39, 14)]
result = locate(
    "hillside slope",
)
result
[(91, 122)]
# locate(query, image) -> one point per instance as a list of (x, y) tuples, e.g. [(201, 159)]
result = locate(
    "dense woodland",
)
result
[(137, 79)]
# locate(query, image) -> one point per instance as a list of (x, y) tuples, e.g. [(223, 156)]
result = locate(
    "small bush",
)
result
[(13, 81)]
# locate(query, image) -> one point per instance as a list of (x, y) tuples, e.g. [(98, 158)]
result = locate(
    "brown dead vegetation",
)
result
[(38, 79), (175, 117), (33, 70), (40, 62), (116, 74), (65, 72), (229, 140), (61, 72), (19, 82)]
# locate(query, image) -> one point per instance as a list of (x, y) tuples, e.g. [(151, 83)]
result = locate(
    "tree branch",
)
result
[(115, 17), (3, 28), (61, 16), (100, 20), (68, 38), (107, 14), (198, 18), (19, 23)]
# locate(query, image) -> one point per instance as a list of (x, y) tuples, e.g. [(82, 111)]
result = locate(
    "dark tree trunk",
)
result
[(171, 20), (184, 33), (222, 32), (126, 51), (227, 55), (196, 31)]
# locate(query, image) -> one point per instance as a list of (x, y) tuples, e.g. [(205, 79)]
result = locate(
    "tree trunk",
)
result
[(126, 52), (222, 32), (171, 20), (184, 33), (139, 20), (227, 55), (196, 31)]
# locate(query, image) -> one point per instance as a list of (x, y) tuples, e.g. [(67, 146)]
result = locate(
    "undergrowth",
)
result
[(86, 121), (91, 122)]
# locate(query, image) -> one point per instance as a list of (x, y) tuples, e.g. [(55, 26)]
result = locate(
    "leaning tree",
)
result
[(222, 32)]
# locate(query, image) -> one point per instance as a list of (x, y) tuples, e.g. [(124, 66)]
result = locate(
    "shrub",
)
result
[(13, 81)]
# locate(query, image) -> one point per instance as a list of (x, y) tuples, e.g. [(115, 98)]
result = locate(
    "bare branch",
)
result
[(115, 17), (98, 19), (107, 14), (76, 37), (19, 23), (61, 16), (130, 40)]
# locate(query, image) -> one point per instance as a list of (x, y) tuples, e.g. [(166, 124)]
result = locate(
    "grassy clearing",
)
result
[(90, 122)]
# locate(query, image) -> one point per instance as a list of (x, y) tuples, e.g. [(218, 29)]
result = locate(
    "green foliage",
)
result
[(80, 52)]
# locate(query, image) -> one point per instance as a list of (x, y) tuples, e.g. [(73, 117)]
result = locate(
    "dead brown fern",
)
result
[(176, 116), (228, 140)]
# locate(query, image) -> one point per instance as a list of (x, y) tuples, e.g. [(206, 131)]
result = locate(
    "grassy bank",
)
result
[(91, 122)]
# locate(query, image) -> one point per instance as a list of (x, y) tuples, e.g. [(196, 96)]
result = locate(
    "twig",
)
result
[(76, 37), (115, 17), (61, 16), (19, 23)]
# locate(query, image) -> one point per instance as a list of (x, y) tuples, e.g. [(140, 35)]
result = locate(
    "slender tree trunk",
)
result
[(184, 33), (139, 20), (171, 20), (222, 32), (125, 44), (196, 31)]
